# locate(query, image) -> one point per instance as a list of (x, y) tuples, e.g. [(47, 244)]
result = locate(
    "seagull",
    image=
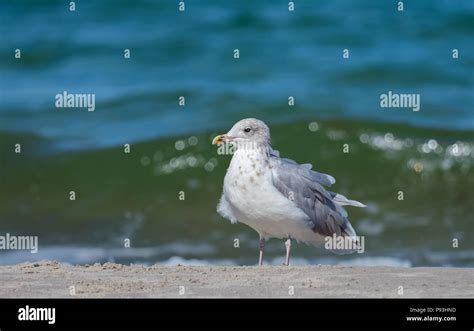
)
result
[(278, 197)]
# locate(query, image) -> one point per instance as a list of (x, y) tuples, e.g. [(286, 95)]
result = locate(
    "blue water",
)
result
[(190, 53)]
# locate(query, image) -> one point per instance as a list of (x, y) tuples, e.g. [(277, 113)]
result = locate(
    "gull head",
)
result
[(247, 132)]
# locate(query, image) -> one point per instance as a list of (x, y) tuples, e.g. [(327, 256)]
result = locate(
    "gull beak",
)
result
[(220, 139)]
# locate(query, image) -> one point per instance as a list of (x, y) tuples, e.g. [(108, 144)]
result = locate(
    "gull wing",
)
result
[(304, 187), (303, 169)]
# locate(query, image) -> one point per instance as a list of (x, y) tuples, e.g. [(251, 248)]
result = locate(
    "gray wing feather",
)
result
[(343, 201), (305, 170), (304, 186)]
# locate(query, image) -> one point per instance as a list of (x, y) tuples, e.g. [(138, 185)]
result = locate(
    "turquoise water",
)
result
[(190, 54)]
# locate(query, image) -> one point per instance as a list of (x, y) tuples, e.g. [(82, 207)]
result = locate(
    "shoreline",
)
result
[(50, 279)]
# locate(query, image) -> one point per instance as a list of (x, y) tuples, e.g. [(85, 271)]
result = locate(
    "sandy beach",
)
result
[(48, 279)]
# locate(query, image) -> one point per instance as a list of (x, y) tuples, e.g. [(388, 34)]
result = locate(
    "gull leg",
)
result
[(262, 247), (288, 249)]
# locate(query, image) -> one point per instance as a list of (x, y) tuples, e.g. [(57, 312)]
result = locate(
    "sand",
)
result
[(48, 279)]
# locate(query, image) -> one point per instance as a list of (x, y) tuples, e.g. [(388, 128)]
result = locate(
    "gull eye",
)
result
[(247, 129)]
